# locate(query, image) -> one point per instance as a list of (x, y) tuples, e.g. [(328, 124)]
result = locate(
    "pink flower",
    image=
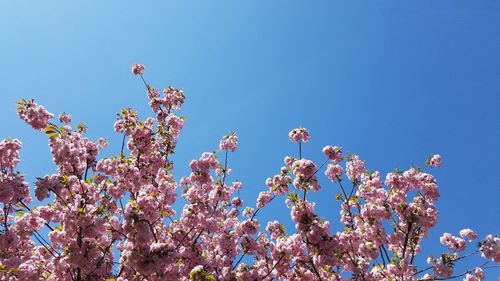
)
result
[(355, 167), (35, 115), (237, 185), (371, 180), (305, 175), (64, 118), (468, 233), (490, 248), (304, 167), (479, 273), (174, 98), (276, 229), (229, 142), (477, 276), (127, 121), (299, 135), (289, 160), (101, 143), (333, 172), (264, 198), (236, 202), (12, 188), (434, 160), (138, 69), (207, 161), (175, 124), (333, 153), (452, 242), (443, 271), (248, 211), (9, 154)]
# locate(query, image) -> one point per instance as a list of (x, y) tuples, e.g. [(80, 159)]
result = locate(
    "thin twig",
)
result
[(274, 266)]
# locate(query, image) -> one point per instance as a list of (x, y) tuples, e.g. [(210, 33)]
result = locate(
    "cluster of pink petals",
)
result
[(299, 135), (207, 161), (35, 115), (126, 122), (13, 188), (490, 248), (65, 118), (9, 154), (435, 160), (478, 275), (43, 186), (469, 234), (280, 182), (355, 167), (172, 99), (452, 242), (334, 172), (138, 69), (443, 271), (333, 153), (229, 142), (305, 175), (264, 198), (73, 153), (276, 229)]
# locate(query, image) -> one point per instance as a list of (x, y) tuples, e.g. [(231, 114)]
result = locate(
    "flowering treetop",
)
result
[(112, 218)]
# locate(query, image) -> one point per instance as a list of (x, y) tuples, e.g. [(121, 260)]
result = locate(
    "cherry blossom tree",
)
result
[(112, 218)]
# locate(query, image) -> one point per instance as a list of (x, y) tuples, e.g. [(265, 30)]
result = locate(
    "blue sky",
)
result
[(392, 81)]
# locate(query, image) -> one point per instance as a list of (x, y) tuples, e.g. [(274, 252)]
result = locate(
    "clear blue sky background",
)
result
[(392, 81)]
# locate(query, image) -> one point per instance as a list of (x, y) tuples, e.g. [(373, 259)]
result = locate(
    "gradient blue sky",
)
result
[(392, 81)]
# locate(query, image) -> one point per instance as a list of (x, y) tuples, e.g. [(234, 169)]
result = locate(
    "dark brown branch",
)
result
[(274, 266)]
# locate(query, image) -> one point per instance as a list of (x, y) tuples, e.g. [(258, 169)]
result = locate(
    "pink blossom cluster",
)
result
[(138, 69), (279, 184), (490, 248), (452, 242), (172, 99), (299, 135), (305, 175), (9, 154), (478, 275), (333, 153), (434, 160), (469, 234), (13, 187), (334, 172), (229, 142), (33, 114), (126, 122), (442, 266), (354, 167), (113, 218), (264, 198), (65, 118)]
